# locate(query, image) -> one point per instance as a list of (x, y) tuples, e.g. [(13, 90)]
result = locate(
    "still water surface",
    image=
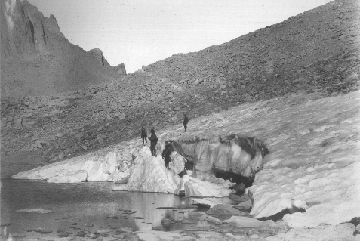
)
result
[(80, 204), (91, 205)]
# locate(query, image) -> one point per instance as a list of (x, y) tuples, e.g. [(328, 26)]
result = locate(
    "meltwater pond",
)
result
[(91, 206)]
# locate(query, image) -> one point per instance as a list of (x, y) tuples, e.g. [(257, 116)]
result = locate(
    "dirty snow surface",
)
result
[(313, 162)]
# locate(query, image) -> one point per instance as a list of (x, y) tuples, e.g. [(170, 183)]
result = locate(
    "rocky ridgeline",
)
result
[(99, 55), (313, 52), (37, 59)]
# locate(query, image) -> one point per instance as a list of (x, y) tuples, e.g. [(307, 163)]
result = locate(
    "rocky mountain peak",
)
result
[(28, 31), (37, 59), (120, 69), (99, 55)]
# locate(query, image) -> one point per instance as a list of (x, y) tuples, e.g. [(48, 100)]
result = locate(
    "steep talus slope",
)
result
[(37, 59), (316, 51)]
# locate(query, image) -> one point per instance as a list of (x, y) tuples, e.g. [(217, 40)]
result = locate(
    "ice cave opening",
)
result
[(235, 178)]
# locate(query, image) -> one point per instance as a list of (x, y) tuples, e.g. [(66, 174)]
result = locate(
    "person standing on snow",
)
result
[(166, 154), (143, 135), (186, 121), (153, 141)]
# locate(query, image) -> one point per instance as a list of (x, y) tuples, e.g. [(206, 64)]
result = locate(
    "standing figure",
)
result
[(143, 135), (166, 154), (153, 141), (186, 121)]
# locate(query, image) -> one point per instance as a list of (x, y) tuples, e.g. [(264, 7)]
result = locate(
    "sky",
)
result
[(140, 32)]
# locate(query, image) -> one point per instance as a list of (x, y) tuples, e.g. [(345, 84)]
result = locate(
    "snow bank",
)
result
[(109, 166), (148, 174), (329, 195), (195, 187), (317, 170)]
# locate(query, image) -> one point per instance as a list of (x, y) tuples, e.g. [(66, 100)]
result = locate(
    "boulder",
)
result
[(244, 206), (166, 222), (210, 219), (237, 198), (244, 222), (239, 188), (222, 210)]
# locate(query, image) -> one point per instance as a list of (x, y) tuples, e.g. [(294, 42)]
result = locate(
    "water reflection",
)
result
[(149, 207), (78, 206), (87, 207)]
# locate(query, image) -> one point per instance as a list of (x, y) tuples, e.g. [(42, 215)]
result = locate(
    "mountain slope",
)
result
[(315, 49), (102, 115), (37, 59)]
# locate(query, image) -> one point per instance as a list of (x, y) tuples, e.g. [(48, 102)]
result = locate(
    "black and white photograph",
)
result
[(180, 120)]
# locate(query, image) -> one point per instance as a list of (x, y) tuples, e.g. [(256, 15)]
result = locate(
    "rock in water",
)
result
[(222, 210), (239, 188), (244, 222)]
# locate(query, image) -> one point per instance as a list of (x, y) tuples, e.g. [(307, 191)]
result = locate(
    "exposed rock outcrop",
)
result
[(37, 59), (120, 69), (99, 55), (219, 210)]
